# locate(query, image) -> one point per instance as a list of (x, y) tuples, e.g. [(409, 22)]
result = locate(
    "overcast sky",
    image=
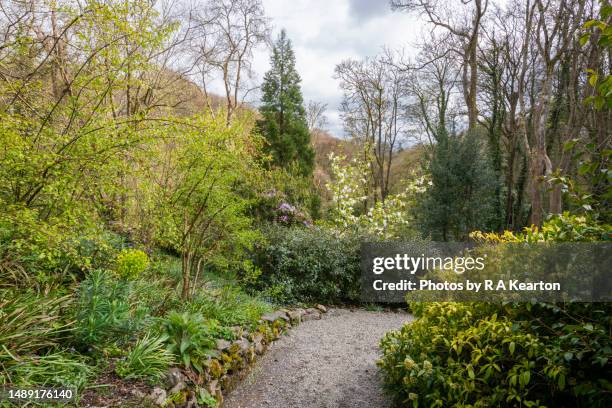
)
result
[(325, 32)]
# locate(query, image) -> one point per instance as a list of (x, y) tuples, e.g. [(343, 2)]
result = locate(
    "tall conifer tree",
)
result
[(284, 117)]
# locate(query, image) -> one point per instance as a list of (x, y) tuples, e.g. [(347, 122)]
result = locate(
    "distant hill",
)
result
[(179, 95), (324, 144), (404, 163)]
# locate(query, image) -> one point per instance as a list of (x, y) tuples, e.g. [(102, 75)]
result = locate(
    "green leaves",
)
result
[(148, 359), (494, 355), (602, 84), (511, 347), (470, 371), (524, 378), (189, 337)]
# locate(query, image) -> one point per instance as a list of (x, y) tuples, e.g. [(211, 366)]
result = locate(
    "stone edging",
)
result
[(230, 362)]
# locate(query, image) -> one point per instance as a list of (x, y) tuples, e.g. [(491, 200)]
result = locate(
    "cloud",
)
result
[(367, 9), (325, 32)]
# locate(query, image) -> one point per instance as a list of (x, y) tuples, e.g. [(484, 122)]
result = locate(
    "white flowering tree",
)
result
[(385, 219)]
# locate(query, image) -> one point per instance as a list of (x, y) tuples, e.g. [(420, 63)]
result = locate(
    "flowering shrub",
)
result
[(274, 206), (385, 219), (131, 263), (290, 215)]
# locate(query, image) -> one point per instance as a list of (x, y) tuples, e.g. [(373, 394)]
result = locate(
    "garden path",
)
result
[(327, 363)]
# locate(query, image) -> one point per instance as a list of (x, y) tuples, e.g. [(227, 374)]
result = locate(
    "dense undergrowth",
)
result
[(528, 354), (127, 321)]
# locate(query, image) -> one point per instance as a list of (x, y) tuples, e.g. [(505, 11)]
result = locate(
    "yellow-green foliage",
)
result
[(565, 227), (485, 355), (131, 263), (514, 354)]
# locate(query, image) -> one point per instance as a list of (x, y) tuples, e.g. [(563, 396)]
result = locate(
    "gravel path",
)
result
[(321, 363)]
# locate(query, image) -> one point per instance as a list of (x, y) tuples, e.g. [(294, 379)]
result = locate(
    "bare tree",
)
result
[(465, 29), (534, 48), (432, 85), (374, 112), (509, 63), (225, 33), (315, 115), (556, 23)]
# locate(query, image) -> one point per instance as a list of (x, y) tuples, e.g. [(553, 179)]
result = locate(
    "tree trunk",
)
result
[(539, 163), (186, 275)]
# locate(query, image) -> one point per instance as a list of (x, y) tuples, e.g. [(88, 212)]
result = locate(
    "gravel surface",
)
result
[(321, 363)]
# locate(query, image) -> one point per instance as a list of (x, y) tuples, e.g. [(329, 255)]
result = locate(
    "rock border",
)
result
[(230, 362)]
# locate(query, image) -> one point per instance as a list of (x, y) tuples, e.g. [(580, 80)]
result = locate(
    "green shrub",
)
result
[(190, 338), (147, 359), (486, 355), (131, 263), (107, 310), (309, 264), (515, 354)]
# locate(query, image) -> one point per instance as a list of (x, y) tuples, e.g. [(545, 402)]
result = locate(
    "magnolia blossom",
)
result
[(384, 219)]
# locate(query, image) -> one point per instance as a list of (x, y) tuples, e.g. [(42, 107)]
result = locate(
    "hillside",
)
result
[(404, 163)]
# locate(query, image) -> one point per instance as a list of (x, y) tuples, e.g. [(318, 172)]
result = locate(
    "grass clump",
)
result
[(59, 368), (147, 359), (31, 323), (229, 305)]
